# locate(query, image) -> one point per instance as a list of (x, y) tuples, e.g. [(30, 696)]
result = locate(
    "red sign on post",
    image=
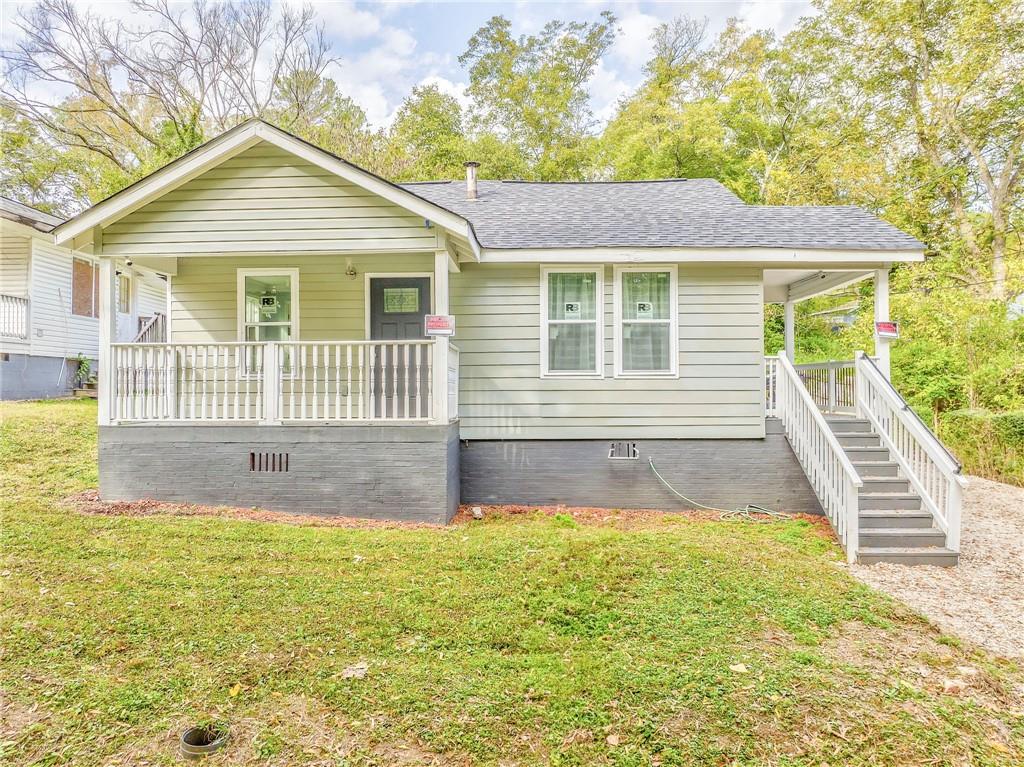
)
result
[(887, 329), (439, 325)]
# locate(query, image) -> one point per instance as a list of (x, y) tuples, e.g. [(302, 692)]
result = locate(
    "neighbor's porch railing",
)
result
[(13, 316), (281, 382), (828, 469), (152, 330), (933, 473)]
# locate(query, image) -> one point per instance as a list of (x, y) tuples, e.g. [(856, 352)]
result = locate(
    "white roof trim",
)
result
[(767, 257), (231, 143)]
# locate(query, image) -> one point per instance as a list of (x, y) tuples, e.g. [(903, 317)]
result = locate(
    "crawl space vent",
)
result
[(268, 461), (623, 451)]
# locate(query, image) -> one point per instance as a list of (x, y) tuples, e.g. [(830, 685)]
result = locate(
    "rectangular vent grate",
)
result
[(623, 451), (268, 461)]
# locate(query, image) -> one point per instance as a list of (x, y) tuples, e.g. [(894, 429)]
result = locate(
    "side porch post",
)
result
[(882, 315), (789, 318), (108, 330), (439, 376)]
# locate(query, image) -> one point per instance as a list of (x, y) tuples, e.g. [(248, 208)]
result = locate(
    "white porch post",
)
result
[(439, 378), (108, 330), (882, 315), (789, 316)]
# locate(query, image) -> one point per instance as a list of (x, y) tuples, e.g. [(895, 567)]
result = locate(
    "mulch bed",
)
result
[(89, 502)]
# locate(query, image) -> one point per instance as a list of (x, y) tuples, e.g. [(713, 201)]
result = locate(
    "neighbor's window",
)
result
[(124, 294), (571, 322), (268, 306), (85, 288), (646, 315)]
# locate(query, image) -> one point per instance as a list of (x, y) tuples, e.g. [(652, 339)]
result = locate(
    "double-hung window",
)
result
[(571, 323), (646, 321), (268, 307)]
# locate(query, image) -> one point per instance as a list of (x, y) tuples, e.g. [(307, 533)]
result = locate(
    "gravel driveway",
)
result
[(982, 599)]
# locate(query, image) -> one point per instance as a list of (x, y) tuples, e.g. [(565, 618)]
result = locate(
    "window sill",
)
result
[(649, 374)]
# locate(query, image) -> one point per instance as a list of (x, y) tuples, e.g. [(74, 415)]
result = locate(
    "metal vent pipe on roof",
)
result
[(471, 179)]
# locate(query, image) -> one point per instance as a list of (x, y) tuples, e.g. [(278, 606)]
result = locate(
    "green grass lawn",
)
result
[(525, 640)]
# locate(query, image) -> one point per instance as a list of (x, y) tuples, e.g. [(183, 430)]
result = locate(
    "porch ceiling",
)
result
[(781, 285)]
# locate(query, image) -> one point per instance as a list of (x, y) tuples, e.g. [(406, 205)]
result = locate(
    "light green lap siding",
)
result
[(204, 301), (267, 201), (719, 392)]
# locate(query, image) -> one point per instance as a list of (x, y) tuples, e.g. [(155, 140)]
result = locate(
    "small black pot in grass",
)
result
[(203, 740)]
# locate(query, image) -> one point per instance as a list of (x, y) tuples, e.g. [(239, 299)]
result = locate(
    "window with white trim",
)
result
[(124, 293), (646, 321), (268, 306), (571, 326)]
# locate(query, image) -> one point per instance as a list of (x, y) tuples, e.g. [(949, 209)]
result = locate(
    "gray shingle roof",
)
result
[(674, 213)]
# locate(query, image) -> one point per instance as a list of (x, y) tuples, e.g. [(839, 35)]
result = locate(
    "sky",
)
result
[(385, 48)]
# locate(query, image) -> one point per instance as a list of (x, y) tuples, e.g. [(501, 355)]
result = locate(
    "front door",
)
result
[(400, 375)]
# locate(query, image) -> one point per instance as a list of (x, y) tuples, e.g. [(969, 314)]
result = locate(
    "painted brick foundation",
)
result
[(726, 473), (382, 472)]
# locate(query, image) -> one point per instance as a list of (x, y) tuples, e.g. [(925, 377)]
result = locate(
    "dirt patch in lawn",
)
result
[(89, 502), (982, 598)]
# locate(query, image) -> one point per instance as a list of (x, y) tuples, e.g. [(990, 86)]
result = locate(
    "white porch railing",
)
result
[(453, 382), (828, 469), (279, 382), (832, 385), (13, 316), (771, 386), (932, 472), (354, 380), (188, 382)]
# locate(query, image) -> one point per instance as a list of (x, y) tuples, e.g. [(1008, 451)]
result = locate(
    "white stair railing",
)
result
[(932, 472), (831, 474)]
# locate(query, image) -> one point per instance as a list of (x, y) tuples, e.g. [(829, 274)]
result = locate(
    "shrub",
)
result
[(989, 444)]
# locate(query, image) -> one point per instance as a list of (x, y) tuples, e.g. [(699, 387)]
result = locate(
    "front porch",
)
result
[(296, 382)]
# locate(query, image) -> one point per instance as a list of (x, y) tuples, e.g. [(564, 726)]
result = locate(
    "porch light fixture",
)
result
[(349, 269)]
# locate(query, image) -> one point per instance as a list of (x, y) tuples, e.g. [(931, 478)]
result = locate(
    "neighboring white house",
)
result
[(49, 306), (602, 330)]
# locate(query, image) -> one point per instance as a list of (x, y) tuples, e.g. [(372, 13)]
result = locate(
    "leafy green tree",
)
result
[(428, 136), (531, 90)]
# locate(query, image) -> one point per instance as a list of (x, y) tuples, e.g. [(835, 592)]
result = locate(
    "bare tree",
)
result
[(127, 92)]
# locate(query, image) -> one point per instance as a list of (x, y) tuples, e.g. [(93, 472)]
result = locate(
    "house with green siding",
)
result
[(340, 344)]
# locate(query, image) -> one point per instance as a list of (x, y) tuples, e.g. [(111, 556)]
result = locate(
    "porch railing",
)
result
[(933, 473), (152, 330), (832, 385), (453, 382), (828, 468), (278, 382), (13, 316)]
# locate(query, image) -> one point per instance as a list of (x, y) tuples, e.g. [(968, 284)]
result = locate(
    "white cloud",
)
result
[(633, 45), (343, 20), (446, 86), (606, 89)]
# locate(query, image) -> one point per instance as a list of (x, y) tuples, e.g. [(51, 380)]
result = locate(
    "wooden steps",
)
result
[(893, 525)]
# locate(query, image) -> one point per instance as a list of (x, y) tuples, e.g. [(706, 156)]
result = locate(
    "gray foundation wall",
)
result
[(726, 473), (383, 472), (23, 376)]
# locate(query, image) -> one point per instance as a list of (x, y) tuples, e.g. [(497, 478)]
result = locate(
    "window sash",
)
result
[(671, 322), (547, 322)]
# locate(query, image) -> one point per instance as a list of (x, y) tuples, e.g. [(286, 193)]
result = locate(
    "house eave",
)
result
[(774, 258)]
